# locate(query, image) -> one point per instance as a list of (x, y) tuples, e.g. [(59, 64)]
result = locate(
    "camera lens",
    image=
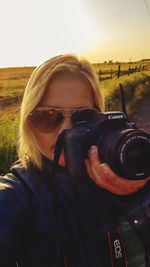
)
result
[(137, 155), (127, 152), (134, 155)]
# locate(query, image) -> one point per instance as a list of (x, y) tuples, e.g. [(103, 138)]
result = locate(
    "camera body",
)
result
[(120, 143)]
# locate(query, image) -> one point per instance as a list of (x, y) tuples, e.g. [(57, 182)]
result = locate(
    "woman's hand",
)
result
[(103, 176)]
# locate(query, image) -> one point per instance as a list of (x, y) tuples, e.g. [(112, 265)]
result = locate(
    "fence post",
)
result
[(99, 74), (111, 72), (118, 74), (129, 70)]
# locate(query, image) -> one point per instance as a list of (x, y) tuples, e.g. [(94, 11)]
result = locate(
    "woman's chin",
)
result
[(61, 161)]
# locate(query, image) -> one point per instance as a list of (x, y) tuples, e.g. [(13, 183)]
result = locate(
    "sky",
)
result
[(31, 31)]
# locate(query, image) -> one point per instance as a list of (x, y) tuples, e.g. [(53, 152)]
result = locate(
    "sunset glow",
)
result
[(33, 31)]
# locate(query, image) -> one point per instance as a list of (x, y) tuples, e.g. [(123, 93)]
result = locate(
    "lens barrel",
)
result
[(127, 152)]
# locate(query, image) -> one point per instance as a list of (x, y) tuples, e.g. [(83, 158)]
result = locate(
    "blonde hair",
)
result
[(35, 90)]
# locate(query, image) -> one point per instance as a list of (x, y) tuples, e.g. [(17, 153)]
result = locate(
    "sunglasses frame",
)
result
[(63, 111)]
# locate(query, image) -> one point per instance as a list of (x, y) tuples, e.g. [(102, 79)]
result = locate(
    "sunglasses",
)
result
[(48, 119)]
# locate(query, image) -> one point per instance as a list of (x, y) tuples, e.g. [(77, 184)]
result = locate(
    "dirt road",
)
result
[(142, 117)]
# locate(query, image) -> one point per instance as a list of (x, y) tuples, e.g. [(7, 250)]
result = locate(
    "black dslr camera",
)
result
[(124, 147)]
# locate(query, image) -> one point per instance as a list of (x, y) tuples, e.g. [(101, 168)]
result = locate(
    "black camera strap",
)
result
[(124, 246), (117, 252), (57, 150)]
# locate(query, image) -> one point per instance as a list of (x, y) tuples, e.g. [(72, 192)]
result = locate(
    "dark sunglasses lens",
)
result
[(46, 120), (85, 115)]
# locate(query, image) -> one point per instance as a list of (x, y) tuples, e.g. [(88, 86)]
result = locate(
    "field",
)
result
[(134, 77)]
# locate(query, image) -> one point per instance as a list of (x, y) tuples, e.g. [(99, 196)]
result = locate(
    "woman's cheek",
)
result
[(46, 143)]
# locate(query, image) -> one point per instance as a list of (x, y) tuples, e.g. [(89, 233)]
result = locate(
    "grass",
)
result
[(13, 81), (110, 70), (8, 140), (136, 89)]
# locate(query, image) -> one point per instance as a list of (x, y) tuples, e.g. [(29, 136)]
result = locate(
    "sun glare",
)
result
[(72, 27), (33, 31)]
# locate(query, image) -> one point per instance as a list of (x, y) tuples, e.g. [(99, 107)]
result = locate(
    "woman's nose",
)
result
[(67, 124)]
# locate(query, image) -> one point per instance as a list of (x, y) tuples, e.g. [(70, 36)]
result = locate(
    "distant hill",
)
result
[(13, 73), (148, 59)]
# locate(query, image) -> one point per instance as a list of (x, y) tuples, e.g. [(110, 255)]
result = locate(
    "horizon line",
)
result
[(100, 62)]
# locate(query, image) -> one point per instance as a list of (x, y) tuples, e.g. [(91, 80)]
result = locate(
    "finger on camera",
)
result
[(98, 174), (120, 185), (88, 168), (93, 171), (107, 179), (114, 179), (104, 177), (94, 155)]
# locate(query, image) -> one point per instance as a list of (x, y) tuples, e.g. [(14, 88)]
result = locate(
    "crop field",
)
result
[(134, 77)]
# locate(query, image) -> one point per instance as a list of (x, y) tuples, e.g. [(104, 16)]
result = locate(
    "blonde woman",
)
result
[(57, 226)]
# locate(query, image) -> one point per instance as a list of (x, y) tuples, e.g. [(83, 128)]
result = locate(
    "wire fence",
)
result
[(112, 72)]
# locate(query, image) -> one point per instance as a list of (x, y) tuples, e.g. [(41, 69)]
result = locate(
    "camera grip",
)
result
[(75, 154)]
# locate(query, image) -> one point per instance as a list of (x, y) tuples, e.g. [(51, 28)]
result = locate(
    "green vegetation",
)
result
[(8, 140), (111, 70), (12, 84), (136, 89), (14, 80)]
